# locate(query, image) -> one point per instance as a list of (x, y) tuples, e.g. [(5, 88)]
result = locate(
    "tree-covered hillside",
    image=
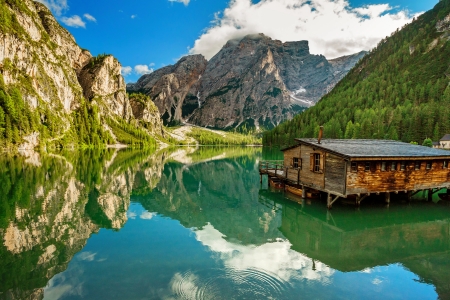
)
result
[(400, 90)]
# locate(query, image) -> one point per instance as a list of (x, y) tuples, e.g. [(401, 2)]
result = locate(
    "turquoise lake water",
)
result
[(197, 224)]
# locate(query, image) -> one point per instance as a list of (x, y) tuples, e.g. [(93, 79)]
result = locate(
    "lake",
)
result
[(189, 223)]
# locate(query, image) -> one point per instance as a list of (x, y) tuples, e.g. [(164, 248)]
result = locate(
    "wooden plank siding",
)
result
[(312, 179), (375, 180), (292, 173), (335, 169)]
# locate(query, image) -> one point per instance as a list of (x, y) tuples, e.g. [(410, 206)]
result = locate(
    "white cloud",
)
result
[(147, 215), (87, 256), (90, 18), (274, 258), (133, 16), (74, 21), (142, 69), (185, 2), (126, 70), (332, 27), (56, 6)]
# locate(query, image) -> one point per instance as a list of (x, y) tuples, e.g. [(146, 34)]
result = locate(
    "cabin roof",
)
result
[(445, 138), (373, 148)]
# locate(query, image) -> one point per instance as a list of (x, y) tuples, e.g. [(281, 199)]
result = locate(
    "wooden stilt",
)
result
[(303, 192), (409, 195), (358, 200), (387, 197), (329, 201), (430, 194)]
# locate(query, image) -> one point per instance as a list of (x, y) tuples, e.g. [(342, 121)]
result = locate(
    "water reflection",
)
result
[(192, 223)]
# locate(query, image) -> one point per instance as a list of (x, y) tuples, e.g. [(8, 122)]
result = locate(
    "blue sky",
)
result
[(149, 34)]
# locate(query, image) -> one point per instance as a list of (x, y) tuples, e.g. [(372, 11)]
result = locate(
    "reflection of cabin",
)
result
[(352, 242), (359, 168), (349, 240), (443, 143)]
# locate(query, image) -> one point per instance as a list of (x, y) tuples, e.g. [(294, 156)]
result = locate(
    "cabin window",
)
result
[(383, 166), (354, 166), (393, 166), (445, 164), (417, 165), (403, 165), (367, 167), (428, 165), (316, 162), (296, 163)]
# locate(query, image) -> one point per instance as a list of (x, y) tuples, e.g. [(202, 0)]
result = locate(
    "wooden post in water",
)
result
[(329, 201), (409, 195), (430, 194), (303, 192), (387, 197)]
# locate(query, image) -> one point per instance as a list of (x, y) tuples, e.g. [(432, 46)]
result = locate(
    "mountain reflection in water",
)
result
[(191, 223)]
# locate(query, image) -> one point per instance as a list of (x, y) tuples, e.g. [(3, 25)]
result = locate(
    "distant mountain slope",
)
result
[(400, 90), (253, 82)]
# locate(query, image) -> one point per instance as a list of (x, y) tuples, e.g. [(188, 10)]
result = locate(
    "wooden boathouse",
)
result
[(358, 168)]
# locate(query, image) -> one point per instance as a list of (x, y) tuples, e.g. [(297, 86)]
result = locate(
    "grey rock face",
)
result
[(241, 86), (168, 87), (254, 82), (101, 81)]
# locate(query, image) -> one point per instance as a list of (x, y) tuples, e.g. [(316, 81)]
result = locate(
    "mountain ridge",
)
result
[(253, 82)]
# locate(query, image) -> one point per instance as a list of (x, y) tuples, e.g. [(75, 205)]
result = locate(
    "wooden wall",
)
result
[(335, 173), (288, 156), (307, 177), (410, 179)]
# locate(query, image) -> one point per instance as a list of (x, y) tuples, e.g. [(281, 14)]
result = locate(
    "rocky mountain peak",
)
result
[(251, 82)]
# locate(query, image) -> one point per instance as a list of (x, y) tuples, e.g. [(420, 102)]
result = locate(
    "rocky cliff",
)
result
[(254, 82), (46, 77), (170, 86)]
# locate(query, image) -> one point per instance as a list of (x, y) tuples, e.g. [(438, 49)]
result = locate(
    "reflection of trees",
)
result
[(223, 192), (49, 209), (417, 236)]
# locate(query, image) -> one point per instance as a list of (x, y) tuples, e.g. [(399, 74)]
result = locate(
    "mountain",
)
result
[(400, 90), (169, 86), (250, 83), (55, 93)]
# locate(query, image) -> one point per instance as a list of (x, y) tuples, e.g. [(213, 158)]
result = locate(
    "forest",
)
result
[(399, 90)]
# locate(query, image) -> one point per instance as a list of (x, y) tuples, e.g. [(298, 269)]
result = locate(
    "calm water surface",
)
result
[(197, 224)]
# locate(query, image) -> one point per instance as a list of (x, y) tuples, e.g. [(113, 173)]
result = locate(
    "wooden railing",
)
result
[(271, 165)]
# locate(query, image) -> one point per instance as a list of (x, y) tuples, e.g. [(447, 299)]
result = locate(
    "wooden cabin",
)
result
[(359, 168)]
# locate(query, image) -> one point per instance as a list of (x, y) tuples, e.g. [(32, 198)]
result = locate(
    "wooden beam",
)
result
[(409, 195), (387, 197), (415, 192), (359, 199), (437, 190), (329, 201)]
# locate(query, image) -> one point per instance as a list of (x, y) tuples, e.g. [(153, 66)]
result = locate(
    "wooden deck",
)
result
[(273, 168)]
